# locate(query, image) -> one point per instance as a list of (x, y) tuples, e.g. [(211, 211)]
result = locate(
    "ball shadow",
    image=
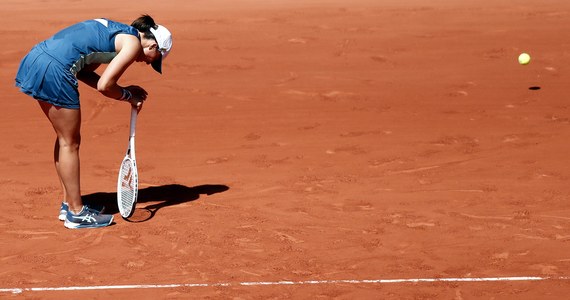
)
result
[(164, 195)]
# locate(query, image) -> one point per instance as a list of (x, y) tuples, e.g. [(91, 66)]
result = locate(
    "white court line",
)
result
[(262, 283)]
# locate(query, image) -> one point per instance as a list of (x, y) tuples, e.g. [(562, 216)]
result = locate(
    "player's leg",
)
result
[(64, 206), (93, 207), (67, 125), (56, 163)]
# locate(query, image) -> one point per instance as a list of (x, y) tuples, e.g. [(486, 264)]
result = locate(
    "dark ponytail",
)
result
[(143, 24)]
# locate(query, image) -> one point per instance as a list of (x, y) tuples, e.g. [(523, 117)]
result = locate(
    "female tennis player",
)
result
[(50, 73)]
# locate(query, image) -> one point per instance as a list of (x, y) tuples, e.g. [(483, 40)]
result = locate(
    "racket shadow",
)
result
[(161, 196)]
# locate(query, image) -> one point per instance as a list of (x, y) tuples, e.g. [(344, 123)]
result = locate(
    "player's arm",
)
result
[(88, 75), (128, 48)]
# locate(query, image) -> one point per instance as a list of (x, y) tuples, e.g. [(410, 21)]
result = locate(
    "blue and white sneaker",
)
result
[(64, 208), (63, 211), (87, 218)]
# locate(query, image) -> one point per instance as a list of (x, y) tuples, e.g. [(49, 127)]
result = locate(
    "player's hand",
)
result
[(137, 104), (139, 96)]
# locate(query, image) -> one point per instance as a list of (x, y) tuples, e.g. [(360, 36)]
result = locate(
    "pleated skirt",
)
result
[(45, 78)]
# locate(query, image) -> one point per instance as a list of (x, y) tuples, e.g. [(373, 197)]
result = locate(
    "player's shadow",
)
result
[(164, 195)]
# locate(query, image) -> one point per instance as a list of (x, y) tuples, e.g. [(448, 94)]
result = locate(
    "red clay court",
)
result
[(319, 149)]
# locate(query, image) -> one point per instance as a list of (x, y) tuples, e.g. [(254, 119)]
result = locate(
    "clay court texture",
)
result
[(319, 149)]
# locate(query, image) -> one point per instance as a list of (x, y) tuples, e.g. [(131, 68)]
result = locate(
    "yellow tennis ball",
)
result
[(524, 58)]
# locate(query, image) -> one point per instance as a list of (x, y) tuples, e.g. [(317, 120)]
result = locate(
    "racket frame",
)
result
[(130, 157)]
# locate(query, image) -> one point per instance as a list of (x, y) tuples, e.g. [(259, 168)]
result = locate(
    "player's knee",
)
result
[(71, 142)]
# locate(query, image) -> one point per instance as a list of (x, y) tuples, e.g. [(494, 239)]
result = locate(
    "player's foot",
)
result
[(63, 211), (64, 208), (87, 218)]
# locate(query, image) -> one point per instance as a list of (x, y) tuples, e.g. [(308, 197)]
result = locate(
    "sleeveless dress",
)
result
[(49, 71)]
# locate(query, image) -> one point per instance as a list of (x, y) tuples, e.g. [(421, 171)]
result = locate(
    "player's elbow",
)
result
[(104, 87)]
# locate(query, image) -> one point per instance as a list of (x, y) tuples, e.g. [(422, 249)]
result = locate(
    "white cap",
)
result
[(164, 40)]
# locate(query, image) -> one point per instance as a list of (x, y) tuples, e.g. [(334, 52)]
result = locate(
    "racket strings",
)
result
[(128, 186)]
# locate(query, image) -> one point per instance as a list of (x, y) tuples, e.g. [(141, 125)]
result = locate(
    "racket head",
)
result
[(127, 187)]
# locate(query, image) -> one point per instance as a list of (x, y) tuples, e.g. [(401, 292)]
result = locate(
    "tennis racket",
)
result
[(128, 181)]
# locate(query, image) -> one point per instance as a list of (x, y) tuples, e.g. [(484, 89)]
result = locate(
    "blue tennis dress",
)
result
[(49, 71)]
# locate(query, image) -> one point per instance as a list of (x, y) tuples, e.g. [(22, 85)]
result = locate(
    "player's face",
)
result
[(150, 54)]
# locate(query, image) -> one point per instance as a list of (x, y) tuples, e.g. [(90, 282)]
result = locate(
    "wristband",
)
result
[(127, 95)]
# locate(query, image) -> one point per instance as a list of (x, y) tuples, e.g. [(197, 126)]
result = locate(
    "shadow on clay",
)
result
[(163, 195)]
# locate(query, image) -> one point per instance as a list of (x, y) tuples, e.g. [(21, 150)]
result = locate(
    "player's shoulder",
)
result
[(111, 24)]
